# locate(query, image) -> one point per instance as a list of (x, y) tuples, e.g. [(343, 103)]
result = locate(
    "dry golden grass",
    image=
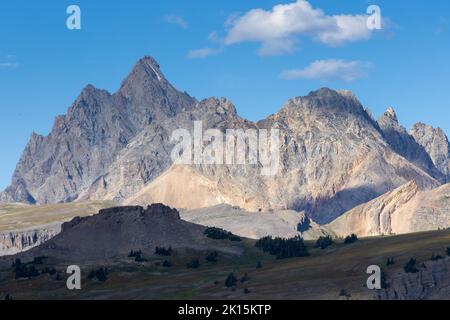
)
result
[(20, 216)]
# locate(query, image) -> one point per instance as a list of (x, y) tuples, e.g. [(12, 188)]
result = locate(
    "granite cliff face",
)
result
[(12, 242), (406, 209), (333, 155), (435, 142)]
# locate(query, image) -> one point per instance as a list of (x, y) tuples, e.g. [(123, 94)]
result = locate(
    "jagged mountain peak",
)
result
[(420, 126), (145, 70), (325, 101), (330, 93), (405, 145), (85, 141), (146, 87), (89, 93), (389, 121), (327, 95), (390, 114), (148, 61)]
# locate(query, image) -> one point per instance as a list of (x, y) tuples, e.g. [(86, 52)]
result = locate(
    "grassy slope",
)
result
[(320, 276), (20, 217)]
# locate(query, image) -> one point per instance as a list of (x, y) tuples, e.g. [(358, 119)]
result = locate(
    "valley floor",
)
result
[(326, 274)]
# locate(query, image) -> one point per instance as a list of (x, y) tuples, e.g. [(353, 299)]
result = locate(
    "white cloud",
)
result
[(176, 20), (202, 53), (8, 62), (8, 65), (214, 37), (278, 29), (330, 70)]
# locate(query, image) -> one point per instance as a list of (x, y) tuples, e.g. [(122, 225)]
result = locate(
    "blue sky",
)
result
[(221, 48)]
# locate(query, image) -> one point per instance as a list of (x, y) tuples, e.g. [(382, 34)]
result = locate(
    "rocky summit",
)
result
[(333, 155)]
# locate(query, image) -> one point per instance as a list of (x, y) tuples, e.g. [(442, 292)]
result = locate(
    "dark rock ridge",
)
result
[(115, 232)]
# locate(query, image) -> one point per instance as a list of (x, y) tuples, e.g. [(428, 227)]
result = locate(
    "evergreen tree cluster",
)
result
[(161, 251), (220, 234), (324, 242), (137, 255), (351, 239), (28, 270), (390, 262), (212, 256), (436, 257), (134, 254), (24, 270), (283, 248), (100, 274)]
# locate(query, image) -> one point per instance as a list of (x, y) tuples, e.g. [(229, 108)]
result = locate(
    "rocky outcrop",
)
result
[(255, 225), (12, 242), (406, 209), (436, 144), (431, 282)]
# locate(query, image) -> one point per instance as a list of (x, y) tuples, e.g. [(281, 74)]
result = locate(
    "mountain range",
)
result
[(336, 160)]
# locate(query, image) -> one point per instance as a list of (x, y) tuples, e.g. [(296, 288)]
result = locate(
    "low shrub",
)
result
[(410, 266), (230, 281), (194, 264), (212, 256)]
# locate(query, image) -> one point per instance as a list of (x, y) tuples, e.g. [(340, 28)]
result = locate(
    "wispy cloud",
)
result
[(8, 62), (279, 28), (202, 53), (176, 20), (332, 69)]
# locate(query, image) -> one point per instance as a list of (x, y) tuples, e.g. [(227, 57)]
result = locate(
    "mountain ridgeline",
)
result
[(333, 156)]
